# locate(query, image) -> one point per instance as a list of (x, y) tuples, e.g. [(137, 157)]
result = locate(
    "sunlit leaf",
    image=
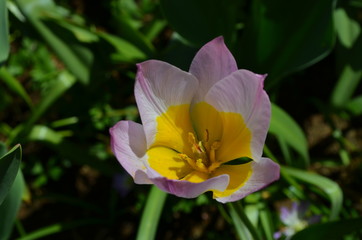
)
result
[(330, 230), (284, 127), (34, 10), (329, 187), (44, 133), (9, 166), (347, 28), (63, 83)]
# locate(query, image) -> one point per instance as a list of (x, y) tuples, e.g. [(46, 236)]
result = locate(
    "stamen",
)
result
[(215, 145), (188, 159), (206, 135)]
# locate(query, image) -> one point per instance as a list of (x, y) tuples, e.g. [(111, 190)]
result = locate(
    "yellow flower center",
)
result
[(203, 158), (192, 143)]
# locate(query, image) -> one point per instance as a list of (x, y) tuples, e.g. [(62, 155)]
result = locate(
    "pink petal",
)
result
[(264, 172), (212, 63), (128, 143), (187, 189), (160, 85), (242, 92)]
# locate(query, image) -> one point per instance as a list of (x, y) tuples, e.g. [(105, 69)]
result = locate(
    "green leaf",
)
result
[(285, 36), (14, 85), (348, 29), (329, 187), (34, 10), (60, 227), (348, 56), (239, 161), (151, 214), (64, 82), (355, 105), (10, 206), (284, 127), (4, 32), (330, 230), (347, 83), (44, 133), (202, 20), (9, 166), (125, 51)]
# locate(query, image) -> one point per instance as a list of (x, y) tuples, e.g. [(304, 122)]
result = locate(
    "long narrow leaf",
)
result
[(4, 32), (34, 10), (14, 85), (9, 208), (329, 187), (283, 126), (9, 166)]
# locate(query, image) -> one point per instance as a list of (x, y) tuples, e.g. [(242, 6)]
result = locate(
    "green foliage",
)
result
[(11, 188), (70, 75), (4, 36)]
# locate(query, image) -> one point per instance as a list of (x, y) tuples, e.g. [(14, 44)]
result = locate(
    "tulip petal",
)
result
[(212, 63), (168, 163), (163, 94), (128, 143), (263, 173), (242, 92), (186, 189)]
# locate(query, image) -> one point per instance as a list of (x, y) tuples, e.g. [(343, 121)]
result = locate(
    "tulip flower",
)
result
[(197, 126)]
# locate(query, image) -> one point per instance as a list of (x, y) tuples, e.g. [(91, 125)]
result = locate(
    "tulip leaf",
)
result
[(239, 161), (329, 187), (11, 204), (9, 166), (281, 38), (330, 230), (200, 21), (285, 128), (4, 34)]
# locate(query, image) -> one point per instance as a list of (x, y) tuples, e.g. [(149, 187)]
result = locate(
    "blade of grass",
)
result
[(59, 227), (151, 214), (14, 85), (241, 230)]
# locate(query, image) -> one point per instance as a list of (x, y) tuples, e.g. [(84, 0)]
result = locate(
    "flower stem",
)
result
[(242, 222), (151, 214)]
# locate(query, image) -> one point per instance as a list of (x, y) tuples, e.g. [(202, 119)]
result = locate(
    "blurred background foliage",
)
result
[(67, 75)]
